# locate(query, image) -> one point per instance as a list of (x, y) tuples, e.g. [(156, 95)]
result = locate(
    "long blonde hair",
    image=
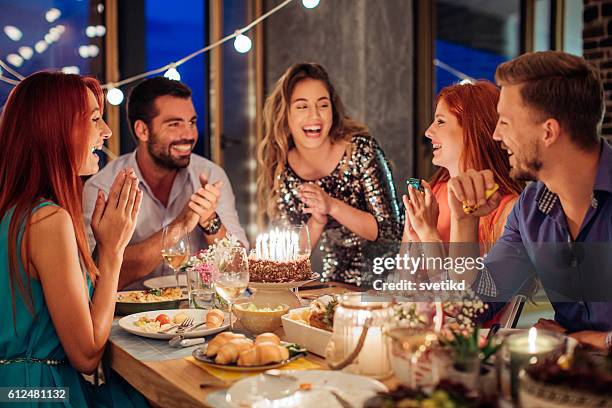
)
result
[(277, 140)]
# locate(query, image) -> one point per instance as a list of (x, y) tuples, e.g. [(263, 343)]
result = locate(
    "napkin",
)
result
[(231, 376)]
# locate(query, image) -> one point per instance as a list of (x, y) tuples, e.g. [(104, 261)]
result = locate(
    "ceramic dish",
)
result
[(124, 308), (199, 316), (263, 391)]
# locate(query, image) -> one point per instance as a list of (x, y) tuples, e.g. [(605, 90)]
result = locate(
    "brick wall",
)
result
[(597, 44)]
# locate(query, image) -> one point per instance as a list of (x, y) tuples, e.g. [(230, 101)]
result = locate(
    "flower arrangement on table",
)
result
[(216, 257), (461, 348)]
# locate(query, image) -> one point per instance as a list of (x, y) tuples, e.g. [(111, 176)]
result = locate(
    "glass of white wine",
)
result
[(175, 248), (301, 236), (232, 278)]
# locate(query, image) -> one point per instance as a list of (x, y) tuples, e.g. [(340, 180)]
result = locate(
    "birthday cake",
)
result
[(277, 258), (266, 270)]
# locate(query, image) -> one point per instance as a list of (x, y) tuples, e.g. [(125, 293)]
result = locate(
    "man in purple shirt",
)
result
[(560, 231)]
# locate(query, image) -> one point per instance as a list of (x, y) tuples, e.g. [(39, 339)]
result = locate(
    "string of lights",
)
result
[(10, 71), (242, 43), (171, 67), (455, 72), (8, 80)]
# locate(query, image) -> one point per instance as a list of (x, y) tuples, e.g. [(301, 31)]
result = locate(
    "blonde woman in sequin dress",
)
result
[(320, 167)]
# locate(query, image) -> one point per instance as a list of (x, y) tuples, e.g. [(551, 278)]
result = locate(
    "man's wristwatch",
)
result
[(213, 225)]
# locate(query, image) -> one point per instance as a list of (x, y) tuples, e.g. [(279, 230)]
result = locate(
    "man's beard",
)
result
[(162, 157), (527, 165)]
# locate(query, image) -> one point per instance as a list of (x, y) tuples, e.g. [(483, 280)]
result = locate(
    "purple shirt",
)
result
[(536, 243)]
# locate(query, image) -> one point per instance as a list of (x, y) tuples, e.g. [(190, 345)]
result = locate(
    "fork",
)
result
[(186, 323)]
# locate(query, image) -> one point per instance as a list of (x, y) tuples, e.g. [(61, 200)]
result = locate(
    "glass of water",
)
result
[(200, 288)]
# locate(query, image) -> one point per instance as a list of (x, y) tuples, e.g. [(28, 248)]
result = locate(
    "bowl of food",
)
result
[(260, 318), (136, 301), (312, 326)]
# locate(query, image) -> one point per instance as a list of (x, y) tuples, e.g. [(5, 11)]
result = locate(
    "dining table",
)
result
[(180, 383)]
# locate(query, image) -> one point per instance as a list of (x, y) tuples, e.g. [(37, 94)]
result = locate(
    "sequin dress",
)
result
[(363, 180)]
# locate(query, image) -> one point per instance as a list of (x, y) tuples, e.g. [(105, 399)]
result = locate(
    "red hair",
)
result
[(43, 134), (475, 107)]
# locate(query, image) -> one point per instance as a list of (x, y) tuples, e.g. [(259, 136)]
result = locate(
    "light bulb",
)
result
[(71, 70), (26, 52), (114, 96), (309, 4), (90, 31), (14, 60), (172, 74), (13, 32), (40, 47), (53, 34), (84, 51), (242, 43), (94, 50), (52, 14), (100, 30)]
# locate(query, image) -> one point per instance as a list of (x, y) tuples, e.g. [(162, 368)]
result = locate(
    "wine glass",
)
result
[(231, 278), (303, 247), (175, 248)]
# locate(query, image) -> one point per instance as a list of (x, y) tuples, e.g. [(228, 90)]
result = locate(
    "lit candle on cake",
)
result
[(280, 256)]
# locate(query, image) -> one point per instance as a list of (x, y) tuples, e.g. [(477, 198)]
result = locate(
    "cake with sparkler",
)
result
[(277, 258)]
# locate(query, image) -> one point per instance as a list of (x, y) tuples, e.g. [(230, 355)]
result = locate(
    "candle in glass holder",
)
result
[(351, 319), (523, 349), (372, 359)]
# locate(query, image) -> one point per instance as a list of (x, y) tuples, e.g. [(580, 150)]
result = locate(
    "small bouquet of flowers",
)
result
[(206, 261), (411, 314), (216, 256)]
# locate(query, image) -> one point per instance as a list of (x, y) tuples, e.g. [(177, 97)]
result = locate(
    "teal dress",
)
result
[(31, 354)]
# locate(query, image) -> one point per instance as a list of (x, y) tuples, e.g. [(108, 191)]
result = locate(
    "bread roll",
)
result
[(220, 339), (263, 353), (229, 352), (214, 318), (267, 338)]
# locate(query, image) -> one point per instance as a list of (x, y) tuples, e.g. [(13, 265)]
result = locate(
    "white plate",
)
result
[(199, 316), (263, 391), (165, 281)]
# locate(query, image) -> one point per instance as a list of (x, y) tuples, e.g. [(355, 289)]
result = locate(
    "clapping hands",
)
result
[(421, 215), (113, 220), (318, 202)]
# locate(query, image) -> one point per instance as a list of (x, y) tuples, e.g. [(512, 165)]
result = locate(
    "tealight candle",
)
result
[(528, 348)]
